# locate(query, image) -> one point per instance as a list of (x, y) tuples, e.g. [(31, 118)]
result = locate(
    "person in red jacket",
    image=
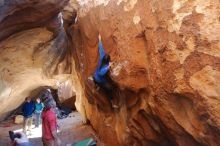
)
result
[(49, 124)]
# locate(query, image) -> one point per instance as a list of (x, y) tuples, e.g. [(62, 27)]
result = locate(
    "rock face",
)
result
[(17, 15), (166, 67), (34, 49)]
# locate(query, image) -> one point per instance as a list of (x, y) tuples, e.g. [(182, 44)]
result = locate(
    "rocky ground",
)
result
[(71, 131)]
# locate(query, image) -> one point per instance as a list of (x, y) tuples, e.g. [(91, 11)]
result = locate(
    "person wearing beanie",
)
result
[(49, 124)]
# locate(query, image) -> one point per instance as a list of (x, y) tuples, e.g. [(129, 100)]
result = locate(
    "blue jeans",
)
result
[(38, 119)]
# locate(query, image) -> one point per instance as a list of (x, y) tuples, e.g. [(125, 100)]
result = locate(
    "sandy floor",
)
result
[(71, 131)]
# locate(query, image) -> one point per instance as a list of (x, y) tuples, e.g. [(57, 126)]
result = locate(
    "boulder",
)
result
[(34, 51), (166, 67)]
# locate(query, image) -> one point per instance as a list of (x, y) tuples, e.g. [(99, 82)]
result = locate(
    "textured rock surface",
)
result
[(166, 67), (165, 56), (33, 49), (16, 15)]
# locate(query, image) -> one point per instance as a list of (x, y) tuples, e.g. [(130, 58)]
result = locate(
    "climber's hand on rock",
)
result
[(110, 64), (99, 37)]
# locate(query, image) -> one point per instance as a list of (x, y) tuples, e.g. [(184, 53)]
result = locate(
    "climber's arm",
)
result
[(104, 70)]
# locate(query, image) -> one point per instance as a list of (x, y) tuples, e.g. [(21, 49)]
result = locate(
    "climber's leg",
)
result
[(109, 89)]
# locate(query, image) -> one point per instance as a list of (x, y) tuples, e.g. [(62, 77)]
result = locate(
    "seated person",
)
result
[(19, 139)]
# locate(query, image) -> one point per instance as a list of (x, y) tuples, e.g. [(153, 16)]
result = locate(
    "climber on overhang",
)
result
[(101, 76)]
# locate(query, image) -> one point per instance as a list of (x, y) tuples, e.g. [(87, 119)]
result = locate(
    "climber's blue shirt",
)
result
[(101, 70)]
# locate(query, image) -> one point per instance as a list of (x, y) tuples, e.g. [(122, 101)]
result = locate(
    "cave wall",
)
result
[(165, 57), (33, 49), (166, 67)]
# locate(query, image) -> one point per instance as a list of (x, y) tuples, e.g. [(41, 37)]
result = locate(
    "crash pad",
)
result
[(86, 142)]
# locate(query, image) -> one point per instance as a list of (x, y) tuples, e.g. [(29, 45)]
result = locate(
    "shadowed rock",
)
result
[(17, 15)]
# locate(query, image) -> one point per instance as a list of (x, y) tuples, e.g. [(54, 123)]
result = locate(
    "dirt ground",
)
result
[(71, 131)]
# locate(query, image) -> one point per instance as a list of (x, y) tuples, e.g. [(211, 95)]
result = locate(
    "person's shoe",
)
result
[(115, 106), (25, 132), (29, 134), (97, 88), (90, 78)]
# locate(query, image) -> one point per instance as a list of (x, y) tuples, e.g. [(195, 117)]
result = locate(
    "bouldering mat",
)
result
[(86, 142)]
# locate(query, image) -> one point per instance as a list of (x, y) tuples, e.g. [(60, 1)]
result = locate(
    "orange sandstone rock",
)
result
[(166, 67)]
